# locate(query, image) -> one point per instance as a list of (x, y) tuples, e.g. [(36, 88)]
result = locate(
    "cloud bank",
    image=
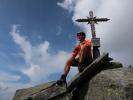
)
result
[(116, 35), (39, 61), (41, 65), (8, 85)]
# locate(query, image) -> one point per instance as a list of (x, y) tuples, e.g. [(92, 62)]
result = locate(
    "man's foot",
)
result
[(62, 81)]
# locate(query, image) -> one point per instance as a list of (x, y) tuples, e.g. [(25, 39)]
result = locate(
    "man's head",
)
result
[(81, 36)]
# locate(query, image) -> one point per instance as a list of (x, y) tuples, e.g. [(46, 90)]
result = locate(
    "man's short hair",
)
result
[(81, 33)]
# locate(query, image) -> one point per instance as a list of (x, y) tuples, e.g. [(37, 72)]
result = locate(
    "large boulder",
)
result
[(42, 92), (112, 84)]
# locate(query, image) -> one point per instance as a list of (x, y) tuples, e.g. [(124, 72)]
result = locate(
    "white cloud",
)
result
[(59, 31), (8, 89), (6, 77), (67, 4), (41, 64), (116, 35), (40, 61), (22, 42), (8, 85)]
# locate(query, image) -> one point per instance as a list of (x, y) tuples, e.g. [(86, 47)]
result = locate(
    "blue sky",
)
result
[(37, 36), (37, 21)]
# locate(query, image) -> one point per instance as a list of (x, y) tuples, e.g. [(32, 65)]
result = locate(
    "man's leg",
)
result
[(68, 65), (85, 58), (66, 71)]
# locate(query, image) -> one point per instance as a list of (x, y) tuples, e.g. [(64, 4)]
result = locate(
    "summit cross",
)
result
[(96, 41)]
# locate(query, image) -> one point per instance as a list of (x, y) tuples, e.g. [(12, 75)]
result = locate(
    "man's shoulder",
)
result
[(88, 41)]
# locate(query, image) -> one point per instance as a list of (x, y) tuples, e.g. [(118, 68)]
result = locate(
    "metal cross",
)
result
[(96, 41), (92, 21)]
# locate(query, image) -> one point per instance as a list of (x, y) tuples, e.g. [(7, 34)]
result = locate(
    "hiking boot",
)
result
[(62, 81)]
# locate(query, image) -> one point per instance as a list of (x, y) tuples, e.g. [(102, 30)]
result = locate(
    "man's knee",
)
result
[(69, 61)]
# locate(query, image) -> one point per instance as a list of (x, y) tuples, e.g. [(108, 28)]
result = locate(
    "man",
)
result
[(83, 49)]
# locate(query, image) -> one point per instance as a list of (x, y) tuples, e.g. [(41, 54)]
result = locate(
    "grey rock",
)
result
[(80, 92), (112, 84), (40, 92)]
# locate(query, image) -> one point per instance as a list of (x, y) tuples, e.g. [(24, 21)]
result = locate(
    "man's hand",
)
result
[(79, 64)]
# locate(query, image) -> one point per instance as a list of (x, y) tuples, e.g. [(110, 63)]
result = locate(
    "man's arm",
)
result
[(76, 51)]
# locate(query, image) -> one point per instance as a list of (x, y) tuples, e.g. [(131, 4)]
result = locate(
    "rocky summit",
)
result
[(101, 80)]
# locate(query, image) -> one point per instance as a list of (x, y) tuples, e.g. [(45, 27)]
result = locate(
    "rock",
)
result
[(40, 92), (84, 86), (112, 84)]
